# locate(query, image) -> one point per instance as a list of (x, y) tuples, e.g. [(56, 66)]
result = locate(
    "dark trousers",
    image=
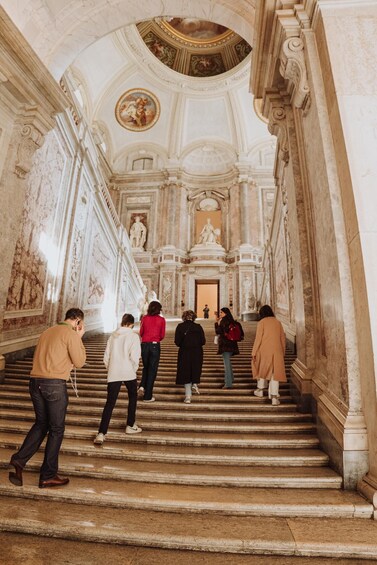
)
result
[(150, 355), (112, 395), (50, 401)]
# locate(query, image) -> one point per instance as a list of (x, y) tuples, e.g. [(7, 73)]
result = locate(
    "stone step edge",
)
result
[(277, 547), (343, 510), (265, 443), (277, 428), (195, 411), (318, 460), (169, 477)]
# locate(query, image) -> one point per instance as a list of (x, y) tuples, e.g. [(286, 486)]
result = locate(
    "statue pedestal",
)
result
[(137, 249), (207, 253), (250, 316)]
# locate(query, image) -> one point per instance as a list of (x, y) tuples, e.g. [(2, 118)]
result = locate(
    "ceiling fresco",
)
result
[(194, 47)]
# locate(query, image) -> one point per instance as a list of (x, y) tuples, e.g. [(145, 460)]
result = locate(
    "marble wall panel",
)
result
[(76, 254), (281, 273), (102, 268), (36, 248), (324, 204)]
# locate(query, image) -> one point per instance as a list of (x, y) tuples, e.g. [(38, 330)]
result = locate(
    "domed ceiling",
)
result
[(194, 47)]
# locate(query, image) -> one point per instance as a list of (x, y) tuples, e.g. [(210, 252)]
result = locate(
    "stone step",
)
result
[(117, 447), (81, 417), (190, 474), (202, 439), (196, 499), (72, 552), (242, 534), (99, 396), (93, 406)]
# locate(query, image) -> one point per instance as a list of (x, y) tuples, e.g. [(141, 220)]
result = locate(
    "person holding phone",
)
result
[(58, 350)]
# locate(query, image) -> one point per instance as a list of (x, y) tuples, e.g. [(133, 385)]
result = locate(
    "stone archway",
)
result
[(59, 35)]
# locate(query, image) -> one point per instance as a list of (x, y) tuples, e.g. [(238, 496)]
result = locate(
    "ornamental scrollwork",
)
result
[(293, 69), (31, 140)]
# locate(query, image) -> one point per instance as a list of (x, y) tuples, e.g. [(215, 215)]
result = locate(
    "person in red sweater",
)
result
[(152, 331)]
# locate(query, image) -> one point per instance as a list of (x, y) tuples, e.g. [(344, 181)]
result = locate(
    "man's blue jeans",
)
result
[(150, 354), (50, 401), (228, 368)]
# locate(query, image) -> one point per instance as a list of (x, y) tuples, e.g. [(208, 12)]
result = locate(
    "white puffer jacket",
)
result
[(122, 355)]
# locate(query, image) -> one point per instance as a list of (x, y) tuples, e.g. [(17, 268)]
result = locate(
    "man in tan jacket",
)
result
[(59, 349)]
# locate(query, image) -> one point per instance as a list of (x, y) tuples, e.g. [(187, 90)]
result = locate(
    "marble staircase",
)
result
[(228, 473)]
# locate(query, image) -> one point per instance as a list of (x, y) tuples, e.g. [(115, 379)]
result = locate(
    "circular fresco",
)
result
[(137, 109)]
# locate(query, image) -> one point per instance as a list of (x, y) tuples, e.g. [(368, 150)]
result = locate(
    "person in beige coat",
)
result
[(267, 356)]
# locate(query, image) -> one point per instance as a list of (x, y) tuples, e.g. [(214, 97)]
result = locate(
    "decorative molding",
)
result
[(31, 140), (293, 69), (274, 108)]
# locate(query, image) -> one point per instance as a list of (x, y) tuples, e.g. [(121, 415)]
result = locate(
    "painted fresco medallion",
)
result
[(137, 109)]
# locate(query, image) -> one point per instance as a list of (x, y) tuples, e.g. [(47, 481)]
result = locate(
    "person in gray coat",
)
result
[(190, 338)]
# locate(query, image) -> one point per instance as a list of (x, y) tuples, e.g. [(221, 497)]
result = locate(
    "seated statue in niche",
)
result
[(138, 234), (208, 234)]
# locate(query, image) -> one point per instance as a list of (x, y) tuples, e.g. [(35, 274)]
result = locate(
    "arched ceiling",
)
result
[(59, 30), (204, 125)]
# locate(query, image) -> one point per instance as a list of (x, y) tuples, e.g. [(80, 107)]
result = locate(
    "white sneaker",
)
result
[(140, 390), (149, 399), (275, 401), (258, 392), (195, 389), (133, 429), (99, 439), (187, 400)]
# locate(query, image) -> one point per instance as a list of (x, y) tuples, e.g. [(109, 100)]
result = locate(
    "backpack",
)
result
[(234, 332)]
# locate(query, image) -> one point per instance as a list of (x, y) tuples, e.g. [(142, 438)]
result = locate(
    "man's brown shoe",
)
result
[(15, 476), (54, 482)]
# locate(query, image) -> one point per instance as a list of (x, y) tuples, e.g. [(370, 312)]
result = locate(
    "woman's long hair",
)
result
[(228, 316), (266, 312), (154, 308)]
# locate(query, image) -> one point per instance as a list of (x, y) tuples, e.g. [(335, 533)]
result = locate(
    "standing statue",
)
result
[(209, 234), (138, 234)]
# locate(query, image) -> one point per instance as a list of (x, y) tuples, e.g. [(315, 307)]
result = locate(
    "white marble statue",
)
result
[(208, 234), (138, 234)]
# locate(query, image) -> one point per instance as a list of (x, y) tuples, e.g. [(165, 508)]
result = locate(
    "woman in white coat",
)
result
[(121, 359)]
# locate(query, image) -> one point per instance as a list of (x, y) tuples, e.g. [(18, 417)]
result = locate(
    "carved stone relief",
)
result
[(102, 263), (77, 245), (35, 244), (281, 276)]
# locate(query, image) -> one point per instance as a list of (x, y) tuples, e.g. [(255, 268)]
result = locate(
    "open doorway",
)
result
[(206, 293)]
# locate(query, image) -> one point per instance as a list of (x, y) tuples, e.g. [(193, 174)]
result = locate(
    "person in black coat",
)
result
[(226, 347), (190, 338)]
